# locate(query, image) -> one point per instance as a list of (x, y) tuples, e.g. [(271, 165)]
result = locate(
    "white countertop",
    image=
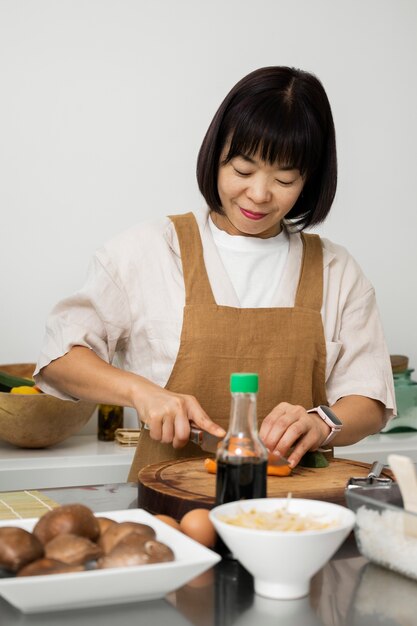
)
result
[(83, 460), (79, 460)]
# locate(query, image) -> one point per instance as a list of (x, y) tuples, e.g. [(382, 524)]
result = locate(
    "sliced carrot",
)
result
[(278, 470), (210, 466)]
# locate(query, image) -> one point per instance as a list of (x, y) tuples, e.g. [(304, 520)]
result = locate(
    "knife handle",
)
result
[(196, 435)]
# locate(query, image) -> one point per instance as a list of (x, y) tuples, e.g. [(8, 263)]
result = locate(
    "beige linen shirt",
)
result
[(131, 306)]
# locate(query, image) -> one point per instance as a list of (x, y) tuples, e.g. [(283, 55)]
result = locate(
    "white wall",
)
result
[(104, 104)]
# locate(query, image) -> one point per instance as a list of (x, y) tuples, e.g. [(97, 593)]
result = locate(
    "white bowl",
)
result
[(283, 562)]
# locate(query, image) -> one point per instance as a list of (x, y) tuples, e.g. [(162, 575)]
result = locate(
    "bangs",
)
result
[(277, 133)]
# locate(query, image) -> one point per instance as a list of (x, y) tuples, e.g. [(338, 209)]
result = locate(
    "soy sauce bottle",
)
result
[(110, 417), (241, 456)]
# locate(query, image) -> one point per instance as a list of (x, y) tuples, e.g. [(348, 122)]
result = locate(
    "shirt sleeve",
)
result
[(362, 366), (96, 317)]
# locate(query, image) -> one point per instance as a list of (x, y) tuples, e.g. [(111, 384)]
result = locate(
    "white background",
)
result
[(104, 104)]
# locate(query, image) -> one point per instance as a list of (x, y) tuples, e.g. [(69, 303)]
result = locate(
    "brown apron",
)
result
[(285, 346)]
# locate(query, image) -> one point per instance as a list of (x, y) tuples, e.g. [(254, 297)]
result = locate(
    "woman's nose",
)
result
[(258, 190)]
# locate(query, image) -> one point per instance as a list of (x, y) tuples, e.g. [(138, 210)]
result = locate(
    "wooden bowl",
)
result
[(38, 420)]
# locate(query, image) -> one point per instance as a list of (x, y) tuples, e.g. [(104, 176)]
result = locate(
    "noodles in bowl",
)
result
[(279, 519), (282, 542)]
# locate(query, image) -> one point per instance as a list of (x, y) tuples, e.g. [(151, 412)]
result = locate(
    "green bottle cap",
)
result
[(244, 383)]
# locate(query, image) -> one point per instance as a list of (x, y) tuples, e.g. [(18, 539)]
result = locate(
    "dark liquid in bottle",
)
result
[(238, 481), (109, 419)]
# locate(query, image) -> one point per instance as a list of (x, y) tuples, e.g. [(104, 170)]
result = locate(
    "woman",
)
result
[(172, 307)]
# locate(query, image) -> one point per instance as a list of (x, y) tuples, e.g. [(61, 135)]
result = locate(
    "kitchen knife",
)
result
[(209, 443), (201, 438), (205, 440)]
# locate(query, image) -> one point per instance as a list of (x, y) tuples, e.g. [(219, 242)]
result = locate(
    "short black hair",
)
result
[(283, 114)]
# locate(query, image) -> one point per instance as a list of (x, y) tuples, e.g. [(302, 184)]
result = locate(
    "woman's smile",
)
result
[(255, 195), (252, 215)]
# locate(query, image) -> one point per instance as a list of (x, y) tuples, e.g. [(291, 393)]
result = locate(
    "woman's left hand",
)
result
[(290, 426)]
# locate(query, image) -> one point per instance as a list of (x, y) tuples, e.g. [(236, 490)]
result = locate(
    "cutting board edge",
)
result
[(157, 498)]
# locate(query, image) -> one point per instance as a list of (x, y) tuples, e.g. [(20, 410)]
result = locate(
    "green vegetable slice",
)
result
[(314, 459), (7, 381)]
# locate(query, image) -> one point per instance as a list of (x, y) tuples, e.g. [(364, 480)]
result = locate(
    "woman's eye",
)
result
[(240, 173), (286, 183)]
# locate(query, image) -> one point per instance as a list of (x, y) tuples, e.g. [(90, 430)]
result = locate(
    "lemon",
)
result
[(25, 390)]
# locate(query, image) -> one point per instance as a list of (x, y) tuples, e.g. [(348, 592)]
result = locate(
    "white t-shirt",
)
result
[(255, 266)]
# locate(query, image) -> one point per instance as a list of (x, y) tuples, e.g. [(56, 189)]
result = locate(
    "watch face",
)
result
[(329, 413)]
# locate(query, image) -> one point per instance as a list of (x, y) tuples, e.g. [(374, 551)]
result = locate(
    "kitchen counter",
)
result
[(83, 460), (348, 591), (79, 460)]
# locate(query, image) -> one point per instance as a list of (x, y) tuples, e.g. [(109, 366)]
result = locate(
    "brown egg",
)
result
[(169, 520), (197, 525)]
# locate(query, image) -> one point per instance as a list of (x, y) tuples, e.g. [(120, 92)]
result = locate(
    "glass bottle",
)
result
[(241, 456), (110, 417)]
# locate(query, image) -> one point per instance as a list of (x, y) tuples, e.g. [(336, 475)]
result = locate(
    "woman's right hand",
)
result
[(82, 374), (168, 415)]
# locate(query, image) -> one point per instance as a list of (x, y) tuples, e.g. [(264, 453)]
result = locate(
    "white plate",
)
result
[(33, 594)]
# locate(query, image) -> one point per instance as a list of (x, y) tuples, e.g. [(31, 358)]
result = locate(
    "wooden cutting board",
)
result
[(175, 487)]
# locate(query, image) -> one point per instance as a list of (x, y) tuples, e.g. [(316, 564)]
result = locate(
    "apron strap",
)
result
[(197, 285), (310, 286)]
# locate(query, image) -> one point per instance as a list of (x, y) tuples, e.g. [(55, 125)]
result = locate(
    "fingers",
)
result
[(168, 417), (282, 427), (290, 431), (274, 425), (302, 446), (200, 418), (168, 423)]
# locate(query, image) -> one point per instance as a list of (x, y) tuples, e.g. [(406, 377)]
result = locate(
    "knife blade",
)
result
[(202, 438), (205, 440), (209, 443)]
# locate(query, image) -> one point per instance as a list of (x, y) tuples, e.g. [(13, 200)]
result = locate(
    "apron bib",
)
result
[(285, 346)]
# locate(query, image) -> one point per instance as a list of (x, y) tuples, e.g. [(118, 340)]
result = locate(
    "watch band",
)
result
[(330, 419)]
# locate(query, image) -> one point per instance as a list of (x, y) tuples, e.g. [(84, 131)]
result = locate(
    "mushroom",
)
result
[(72, 549), (158, 552), (18, 547), (47, 566), (135, 549), (105, 523), (75, 519), (115, 533)]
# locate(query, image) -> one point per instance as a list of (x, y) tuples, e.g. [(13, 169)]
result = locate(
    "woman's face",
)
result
[(255, 196)]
